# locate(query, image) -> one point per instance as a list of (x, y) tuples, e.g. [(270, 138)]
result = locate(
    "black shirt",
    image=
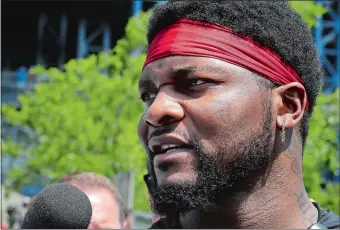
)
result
[(326, 218)]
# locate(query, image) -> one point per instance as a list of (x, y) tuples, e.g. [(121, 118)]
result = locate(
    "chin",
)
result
[(176, 178)]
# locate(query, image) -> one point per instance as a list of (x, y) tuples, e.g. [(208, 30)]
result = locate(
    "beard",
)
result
[(217, 179)]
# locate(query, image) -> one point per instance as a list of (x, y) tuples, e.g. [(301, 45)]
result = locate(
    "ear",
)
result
[(126, 224), (290, 102)]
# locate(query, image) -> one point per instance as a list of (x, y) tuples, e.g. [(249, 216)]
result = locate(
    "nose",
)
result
[(163, 111)]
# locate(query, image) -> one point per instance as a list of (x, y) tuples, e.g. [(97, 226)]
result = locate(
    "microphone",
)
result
[(59, 206)]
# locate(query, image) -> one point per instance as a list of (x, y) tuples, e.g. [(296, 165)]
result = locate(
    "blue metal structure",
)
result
[(326, 34), (44, 28), (137, 5), (85, 41)]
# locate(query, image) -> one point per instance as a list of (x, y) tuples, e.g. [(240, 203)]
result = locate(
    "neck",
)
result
[(278, 200)]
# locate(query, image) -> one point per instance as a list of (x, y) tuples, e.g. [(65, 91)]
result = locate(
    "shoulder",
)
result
[(166, 223), (328, 218)]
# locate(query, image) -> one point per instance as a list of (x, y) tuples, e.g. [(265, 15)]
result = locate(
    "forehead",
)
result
[(184, 63), (105, 210), (100, 196), (176, 66), (102, 201)]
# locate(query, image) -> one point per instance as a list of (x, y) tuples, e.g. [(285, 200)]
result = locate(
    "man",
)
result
[(149, 184), (12, 213), (26, 202), (108, 211), (228, 89), (128, 219), (3, 226)]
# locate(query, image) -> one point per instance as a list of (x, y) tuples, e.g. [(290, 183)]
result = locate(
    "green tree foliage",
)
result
[(321, 152), (322, 148), (85, 117), (309, 11)]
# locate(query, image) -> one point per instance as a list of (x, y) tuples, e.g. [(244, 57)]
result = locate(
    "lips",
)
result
[(165, 143)]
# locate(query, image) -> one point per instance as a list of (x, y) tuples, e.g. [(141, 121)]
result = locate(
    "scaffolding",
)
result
[(326, 34), (85, 44), (45, 29)]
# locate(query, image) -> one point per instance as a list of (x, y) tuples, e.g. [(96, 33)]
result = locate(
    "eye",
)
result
[(195, 82), (148, 96)]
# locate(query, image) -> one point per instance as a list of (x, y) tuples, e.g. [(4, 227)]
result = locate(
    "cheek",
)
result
[(142, 131), (225, 114)]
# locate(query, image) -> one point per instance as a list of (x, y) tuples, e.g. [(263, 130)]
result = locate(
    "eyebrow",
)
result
[(183, 71), (146, 84)]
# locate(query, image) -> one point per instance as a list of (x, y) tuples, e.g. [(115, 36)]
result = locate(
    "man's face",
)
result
[(105, 210), (207, 123)]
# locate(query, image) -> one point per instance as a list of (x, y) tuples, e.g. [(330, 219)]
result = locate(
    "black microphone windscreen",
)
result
[(59, 206)]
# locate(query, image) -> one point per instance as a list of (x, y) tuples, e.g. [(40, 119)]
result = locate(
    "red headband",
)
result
[(195, 38)]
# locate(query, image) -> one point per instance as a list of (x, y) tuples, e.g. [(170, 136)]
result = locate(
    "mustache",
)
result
[(192, 139), (163, 130), (150, 178), (170, 129)]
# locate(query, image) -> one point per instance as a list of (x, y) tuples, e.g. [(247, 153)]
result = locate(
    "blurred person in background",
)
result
[(22, 73), (3, 226), (12, 213), (26, 203), (108, 211), (129, 219)]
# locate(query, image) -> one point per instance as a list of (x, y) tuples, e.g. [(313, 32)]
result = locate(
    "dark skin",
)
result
[(217, 102)]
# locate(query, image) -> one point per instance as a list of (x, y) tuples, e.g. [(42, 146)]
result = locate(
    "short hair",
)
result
[(271, 23), (95, 180)]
